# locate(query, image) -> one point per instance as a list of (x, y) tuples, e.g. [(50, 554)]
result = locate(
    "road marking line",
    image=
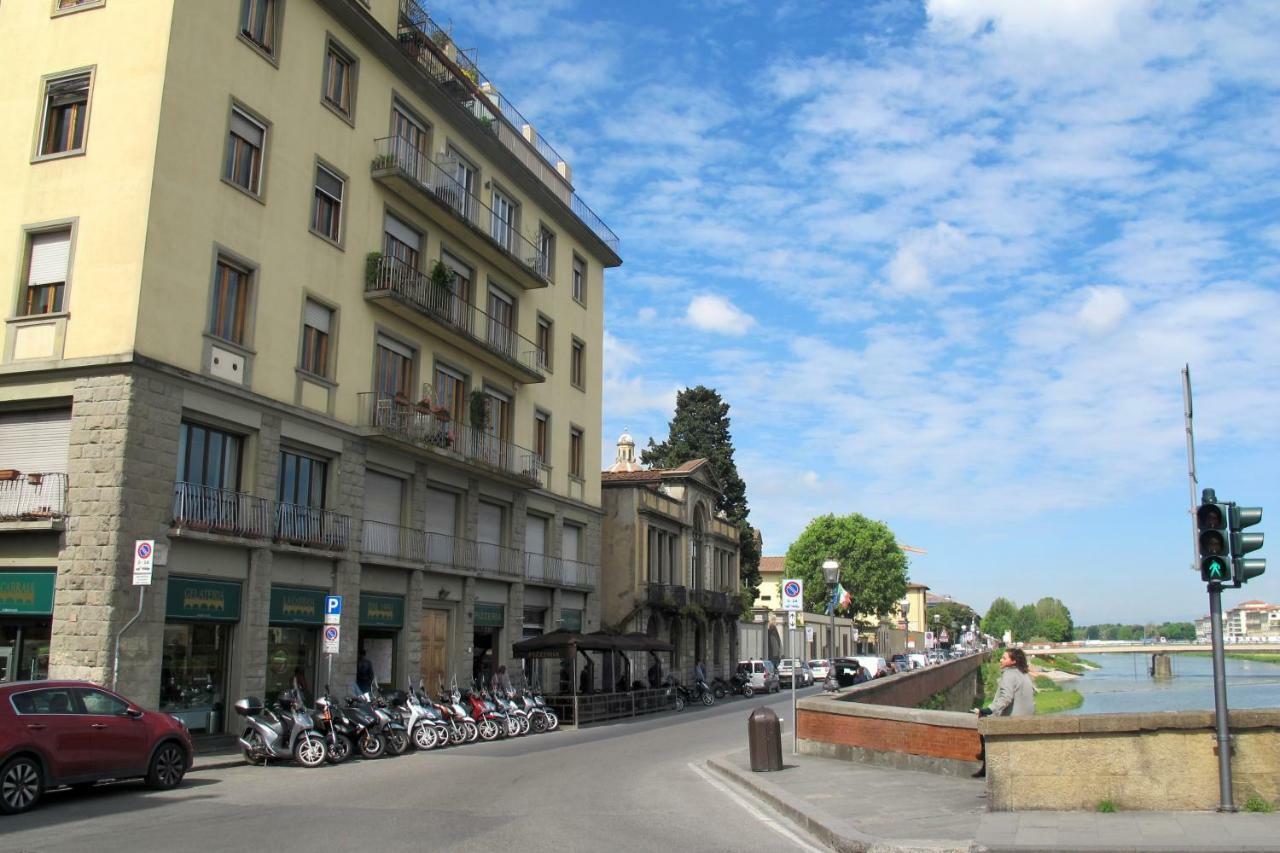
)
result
[(756, 812)]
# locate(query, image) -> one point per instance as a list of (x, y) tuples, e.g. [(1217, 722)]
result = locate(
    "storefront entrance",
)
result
[(293, 640), (200, 618), (26, 618), (484, 644), (381, 618)]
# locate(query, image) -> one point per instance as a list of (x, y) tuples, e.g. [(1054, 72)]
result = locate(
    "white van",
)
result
[(918, 661), (872, 664), (762, 674)]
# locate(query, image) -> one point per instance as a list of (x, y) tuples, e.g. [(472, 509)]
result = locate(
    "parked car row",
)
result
[(73, 733)]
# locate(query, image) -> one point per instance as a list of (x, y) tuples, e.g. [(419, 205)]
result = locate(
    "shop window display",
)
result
[(291, 656), (194, 673)]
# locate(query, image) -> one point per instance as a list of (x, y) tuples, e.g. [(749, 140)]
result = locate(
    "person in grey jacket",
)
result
[(1015, 695)]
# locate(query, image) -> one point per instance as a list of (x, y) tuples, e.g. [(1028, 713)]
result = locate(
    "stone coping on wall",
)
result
[(1080, 724), (845, 704)]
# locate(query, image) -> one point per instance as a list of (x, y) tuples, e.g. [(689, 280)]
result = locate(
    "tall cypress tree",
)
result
[(700, 430)]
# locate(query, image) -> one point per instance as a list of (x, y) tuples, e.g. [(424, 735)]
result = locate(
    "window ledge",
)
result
[(250, 193), (39, 318), (59, 155), (269, 56), (80, 7), (348, 117), (326, 238), (239, 349), (316, 378)]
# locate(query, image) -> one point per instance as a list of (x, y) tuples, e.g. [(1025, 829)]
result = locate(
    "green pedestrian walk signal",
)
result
[(1244, 569), (1213, 544)]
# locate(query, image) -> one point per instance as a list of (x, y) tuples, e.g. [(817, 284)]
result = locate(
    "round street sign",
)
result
[(792, 589), (331, 632)]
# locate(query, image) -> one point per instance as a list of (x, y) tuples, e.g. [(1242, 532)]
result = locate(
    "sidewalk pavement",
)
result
[(858, 807), (216, 751)]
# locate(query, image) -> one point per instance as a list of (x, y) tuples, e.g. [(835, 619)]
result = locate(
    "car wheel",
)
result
[(20, 785), (168, 766)]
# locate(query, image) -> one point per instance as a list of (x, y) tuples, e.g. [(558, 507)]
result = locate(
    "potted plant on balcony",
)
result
[(478, 410), (383, 161), (441, 288), (372, 267)]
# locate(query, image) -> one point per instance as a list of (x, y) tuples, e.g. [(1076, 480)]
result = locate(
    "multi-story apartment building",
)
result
[(296, 293), (670, 561), (1251, 621)]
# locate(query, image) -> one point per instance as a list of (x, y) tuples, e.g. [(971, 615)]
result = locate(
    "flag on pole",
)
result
[(840, 597)]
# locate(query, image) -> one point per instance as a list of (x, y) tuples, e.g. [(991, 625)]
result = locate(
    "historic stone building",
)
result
[(296, 293), (670, 561)]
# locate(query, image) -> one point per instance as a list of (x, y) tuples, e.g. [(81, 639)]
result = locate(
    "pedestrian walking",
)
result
[(364, 672)]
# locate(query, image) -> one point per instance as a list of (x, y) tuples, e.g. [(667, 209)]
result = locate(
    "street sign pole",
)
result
[(332, 626), (143, 561), (1226, 803)]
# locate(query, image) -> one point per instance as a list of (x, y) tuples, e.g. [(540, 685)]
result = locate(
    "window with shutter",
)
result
[(48, 257)]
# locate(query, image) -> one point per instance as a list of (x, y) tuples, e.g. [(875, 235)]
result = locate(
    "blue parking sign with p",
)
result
[(333, 605)]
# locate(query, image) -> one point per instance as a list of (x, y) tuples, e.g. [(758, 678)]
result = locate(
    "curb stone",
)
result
[(834, 833)]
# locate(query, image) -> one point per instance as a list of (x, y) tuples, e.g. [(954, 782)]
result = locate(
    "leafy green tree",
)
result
[(1180, 631), (999, 617), (873, 568), (1054, 629), (1093, 632), (1051, 608), (952, 615), (700, 430), (1026, 624)]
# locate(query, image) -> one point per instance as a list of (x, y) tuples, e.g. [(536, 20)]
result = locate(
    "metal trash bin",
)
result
[(764, 740)]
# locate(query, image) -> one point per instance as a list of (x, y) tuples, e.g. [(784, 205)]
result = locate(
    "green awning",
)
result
[(489, 615), (198, 598), (293, 606), (381, 611), (27, 592)]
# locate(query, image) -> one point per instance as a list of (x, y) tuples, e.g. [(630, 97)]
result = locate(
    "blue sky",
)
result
[(944, 259)]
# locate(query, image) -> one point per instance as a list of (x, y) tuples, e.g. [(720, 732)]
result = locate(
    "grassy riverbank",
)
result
[(1051, 698)]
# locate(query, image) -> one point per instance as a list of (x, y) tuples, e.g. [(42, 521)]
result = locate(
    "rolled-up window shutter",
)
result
[(246, 129), (318, 317), (49, 256), (403, 233), (395, 346), (329, 182)]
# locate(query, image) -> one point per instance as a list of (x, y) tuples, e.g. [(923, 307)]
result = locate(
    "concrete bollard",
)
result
[(764, 740)]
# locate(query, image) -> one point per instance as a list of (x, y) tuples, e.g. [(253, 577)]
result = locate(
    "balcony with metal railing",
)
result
[(33, 499), (557, 571), (408, 293), (434, 431), (379, 539), (458, 76), (434, 188), (222, 512), (669, 596)]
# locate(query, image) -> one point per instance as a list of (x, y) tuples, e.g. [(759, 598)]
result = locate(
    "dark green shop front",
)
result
[(200, 619), (381, 620), (293, 639), (26, 619)]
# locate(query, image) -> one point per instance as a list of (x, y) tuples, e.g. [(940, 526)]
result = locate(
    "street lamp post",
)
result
[(831, 571)]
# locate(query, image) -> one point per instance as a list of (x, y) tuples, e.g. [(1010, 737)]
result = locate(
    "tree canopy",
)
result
[(700, 430), (873, 568), (1047, 619), (999, 617)]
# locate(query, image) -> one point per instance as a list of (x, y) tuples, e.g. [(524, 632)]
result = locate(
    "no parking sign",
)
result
[(793, 594), (330, 639)]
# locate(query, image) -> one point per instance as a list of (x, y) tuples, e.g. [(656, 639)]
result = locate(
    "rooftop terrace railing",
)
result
[(435, 52)]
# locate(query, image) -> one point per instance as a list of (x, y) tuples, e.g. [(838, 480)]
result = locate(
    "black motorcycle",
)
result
[(386, 722), (337, 730), (738, 684)]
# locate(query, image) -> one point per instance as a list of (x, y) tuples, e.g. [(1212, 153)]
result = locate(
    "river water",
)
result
[(1122, 685)]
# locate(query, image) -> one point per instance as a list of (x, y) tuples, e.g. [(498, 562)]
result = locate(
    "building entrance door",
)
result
[(435, 648)]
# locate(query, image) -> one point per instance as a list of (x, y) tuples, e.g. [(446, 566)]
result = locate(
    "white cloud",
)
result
[(1103, 309), (716, 314), (1082, 22)]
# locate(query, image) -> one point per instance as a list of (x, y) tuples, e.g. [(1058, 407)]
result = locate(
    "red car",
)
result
[(75, 733)]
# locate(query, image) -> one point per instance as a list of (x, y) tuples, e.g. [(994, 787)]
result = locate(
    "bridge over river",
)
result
[(1147, 648)]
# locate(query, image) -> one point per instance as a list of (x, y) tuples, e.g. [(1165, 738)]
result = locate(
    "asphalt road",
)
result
[(630, 786)]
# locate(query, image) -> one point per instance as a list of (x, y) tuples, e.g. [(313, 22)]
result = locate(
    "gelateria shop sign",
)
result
[(201, 599), (292, 606), (27, 592), (381, 611)]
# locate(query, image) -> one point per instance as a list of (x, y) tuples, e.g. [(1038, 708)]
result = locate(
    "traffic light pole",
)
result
[(1226, 801)]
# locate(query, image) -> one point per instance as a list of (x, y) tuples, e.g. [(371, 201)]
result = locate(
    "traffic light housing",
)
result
[(1214, 542), (1243, 569)]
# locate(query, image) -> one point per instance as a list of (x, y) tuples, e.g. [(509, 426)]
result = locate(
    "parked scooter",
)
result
[(283, 732), (388, 724), (338, 732)]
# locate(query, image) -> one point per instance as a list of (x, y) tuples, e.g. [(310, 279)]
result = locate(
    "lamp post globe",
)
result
[(831, 571)]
